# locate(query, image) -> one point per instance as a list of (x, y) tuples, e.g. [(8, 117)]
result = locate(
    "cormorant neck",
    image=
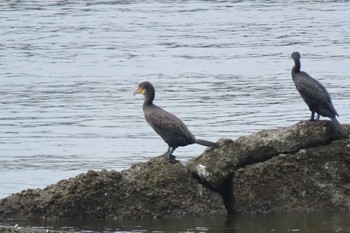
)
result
[(149, 97), (297, 65)]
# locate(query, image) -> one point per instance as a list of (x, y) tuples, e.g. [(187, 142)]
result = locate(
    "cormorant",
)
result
[(172, 130), (315, 95)]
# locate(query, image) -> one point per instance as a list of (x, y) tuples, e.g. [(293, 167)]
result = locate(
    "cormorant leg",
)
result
[(170, 155), (312, 116), (318, 116), (167, 152)]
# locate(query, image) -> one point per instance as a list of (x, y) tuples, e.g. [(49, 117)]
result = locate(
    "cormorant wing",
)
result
[(313, 91), (162, 120)]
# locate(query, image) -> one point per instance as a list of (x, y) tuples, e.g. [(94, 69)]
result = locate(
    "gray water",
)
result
[(68, 70), (306, 223)]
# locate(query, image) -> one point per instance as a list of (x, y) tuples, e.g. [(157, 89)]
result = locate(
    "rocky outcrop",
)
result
[(304, 167), (309, 180), (275, 170), (155, 189)]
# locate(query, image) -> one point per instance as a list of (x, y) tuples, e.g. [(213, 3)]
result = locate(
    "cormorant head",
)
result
[(144, 88), (296, 56)]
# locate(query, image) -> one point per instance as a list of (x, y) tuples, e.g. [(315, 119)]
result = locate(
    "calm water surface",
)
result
[(307, 223), (68, 70)]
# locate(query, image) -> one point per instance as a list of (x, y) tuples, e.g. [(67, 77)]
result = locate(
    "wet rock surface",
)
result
[(304, 167), (155, 189)]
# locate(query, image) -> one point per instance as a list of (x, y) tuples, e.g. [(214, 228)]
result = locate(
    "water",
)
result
[(68, 70), (308, 223)]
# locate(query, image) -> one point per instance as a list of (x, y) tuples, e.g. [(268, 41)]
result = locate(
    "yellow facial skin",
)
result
[(139, 90)]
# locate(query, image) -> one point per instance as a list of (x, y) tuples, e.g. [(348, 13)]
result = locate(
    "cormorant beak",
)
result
[(138, 91)]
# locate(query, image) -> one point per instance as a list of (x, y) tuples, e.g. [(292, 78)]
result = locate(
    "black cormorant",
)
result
[(315, 95), (173, 131)]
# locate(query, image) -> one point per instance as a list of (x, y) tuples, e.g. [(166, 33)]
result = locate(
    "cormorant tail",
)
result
[(339, 127), (206, 143)]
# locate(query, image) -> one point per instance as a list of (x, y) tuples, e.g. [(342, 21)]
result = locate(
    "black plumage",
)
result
[(315, 95), (172, 130)]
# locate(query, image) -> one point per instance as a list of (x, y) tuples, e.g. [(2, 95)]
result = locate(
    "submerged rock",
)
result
[(155, 189)]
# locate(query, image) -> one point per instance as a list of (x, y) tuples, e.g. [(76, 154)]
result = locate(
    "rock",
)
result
[(313, 179), (155, 189), (216, 168), (304, 167)]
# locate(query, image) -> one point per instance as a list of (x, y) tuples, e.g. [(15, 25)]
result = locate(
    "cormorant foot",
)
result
[(172, 158)]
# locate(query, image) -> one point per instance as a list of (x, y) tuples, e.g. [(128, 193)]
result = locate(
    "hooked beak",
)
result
[(138, 91)]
